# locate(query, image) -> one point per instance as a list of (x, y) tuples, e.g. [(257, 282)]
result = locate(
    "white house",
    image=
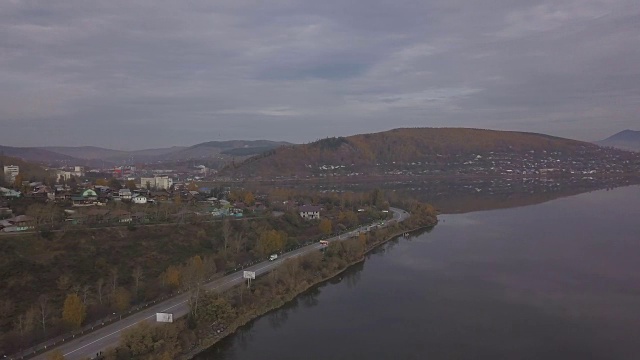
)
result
[(125, 194), (139, 199), (310, 212)]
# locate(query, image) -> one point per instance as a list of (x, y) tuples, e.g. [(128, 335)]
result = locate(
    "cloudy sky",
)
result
[(136, 74)]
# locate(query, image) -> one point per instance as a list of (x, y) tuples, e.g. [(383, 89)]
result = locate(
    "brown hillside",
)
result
[(432, 145), (29, 171)]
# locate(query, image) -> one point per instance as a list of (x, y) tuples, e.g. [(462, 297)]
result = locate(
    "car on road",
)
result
[(273, 257), (324, 242)]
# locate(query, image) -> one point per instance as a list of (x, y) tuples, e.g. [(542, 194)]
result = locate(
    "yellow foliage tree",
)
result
[(249, 199), (73, 311), (325, 226), (271, 241), (173, 276), (121, 299)]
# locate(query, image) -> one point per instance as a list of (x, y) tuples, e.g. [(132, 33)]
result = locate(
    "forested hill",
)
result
[(429, 149)]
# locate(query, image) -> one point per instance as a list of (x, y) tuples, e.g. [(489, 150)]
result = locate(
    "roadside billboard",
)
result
[(249, 275), (164, 317)]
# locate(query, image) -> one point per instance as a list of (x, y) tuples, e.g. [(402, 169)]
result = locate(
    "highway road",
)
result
[(87, 346)]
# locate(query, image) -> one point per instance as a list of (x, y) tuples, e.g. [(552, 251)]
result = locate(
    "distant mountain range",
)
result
[(626, 139), (100, 157), (417, 150)]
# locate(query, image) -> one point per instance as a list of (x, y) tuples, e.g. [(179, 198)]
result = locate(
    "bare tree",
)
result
[(113, 279), (85, 293), (99, 289), (75, 288), (137, 276), (44, 307), (226, 233), (64, 283), (239, 240), (20, 324)]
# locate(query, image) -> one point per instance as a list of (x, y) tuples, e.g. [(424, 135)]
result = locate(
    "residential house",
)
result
[(309, 212), (9, 193), (18, 223), (139, 199), (43, 192), (125, 194), (86, 198), (90, 195), (160, 195)]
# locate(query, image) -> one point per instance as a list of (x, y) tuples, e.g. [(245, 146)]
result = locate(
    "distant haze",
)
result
[(134, 75)]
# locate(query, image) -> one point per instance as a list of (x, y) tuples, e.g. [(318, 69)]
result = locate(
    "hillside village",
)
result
[(152, 200)]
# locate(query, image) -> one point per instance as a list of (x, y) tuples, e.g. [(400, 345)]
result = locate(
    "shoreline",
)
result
[(283, 300)]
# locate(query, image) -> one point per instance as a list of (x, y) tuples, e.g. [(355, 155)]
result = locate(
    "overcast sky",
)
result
[(137, 74)]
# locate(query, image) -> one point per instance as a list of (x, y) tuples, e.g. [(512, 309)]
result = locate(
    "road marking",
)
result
[(292, 254)]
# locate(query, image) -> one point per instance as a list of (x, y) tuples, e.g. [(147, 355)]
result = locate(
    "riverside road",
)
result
[(87, 346)]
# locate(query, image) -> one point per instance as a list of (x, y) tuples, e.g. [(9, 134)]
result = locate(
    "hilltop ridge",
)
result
[(625, 139), (421, 150)]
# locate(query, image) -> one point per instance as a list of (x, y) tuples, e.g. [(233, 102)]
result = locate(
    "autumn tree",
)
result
[(348, 218), (214, 309), (146, 341), (102, 182), (325, 226), (271, 241), (73, 311), (17, 182), (121, 299), (172, 277), (249, 199), (115, 184), (376, 198), (131, 185)]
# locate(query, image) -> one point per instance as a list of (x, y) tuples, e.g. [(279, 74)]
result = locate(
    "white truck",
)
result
[(273, 257)]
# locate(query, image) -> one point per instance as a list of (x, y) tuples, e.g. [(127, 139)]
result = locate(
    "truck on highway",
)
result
[(273, 257)]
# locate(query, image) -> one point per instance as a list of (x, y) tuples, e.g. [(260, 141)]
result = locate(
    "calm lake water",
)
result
[(559, 280)]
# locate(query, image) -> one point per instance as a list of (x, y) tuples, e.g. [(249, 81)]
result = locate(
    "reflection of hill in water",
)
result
[(493, 194), (462, 195)]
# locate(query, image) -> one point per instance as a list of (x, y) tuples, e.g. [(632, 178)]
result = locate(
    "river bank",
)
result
[(286, 298), (213, 316)]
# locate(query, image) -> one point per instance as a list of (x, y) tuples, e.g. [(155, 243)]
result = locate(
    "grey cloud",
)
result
[(77, 72)]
